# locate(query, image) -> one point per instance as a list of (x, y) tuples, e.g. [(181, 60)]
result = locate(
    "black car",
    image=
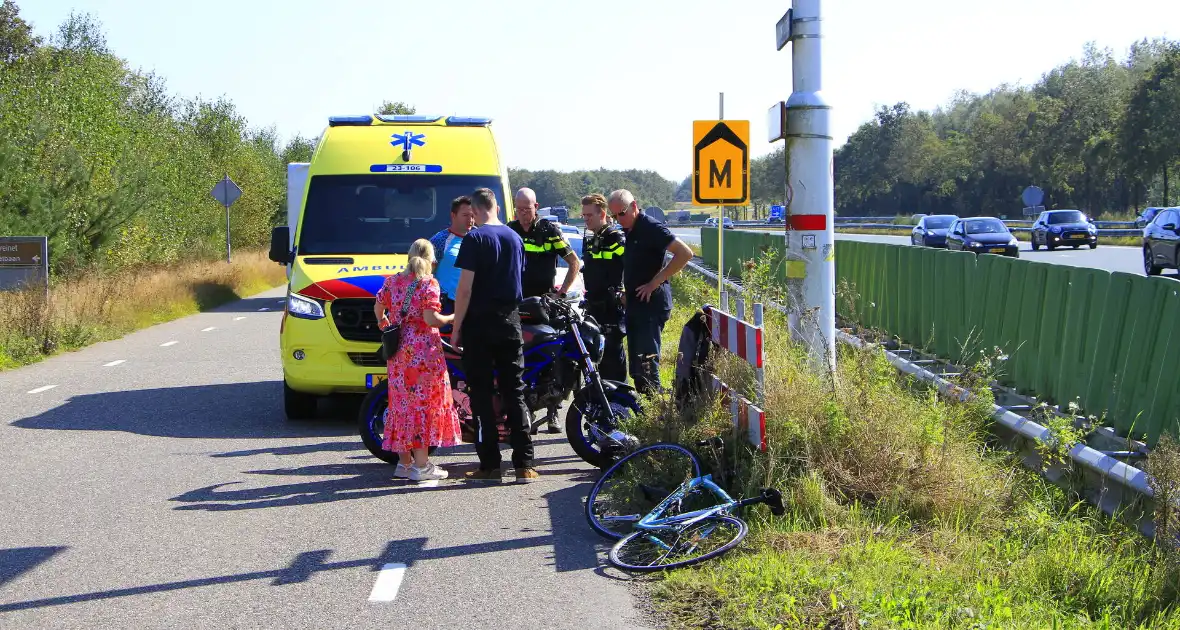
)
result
[(982, 235), (931, 230), (1161, 242), (1063, 228)]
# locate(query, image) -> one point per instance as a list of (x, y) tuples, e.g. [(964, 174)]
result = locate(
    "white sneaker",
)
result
[(430, 472), (402, 471)]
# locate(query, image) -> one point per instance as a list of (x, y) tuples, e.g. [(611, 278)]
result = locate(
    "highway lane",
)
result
[(1109, 257), (153, 481)]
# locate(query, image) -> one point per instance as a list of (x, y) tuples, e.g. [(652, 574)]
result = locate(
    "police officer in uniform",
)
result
[(543, 243), (603, 276)]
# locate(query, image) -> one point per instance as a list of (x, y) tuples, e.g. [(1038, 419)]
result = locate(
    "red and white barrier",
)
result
[(744, 339)]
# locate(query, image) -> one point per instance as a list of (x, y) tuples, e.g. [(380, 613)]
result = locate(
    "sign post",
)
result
[(226, 192), (24, 262), (804, 122), (721, 171)]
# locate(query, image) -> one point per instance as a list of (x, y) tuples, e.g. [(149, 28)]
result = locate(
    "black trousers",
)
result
[(493, 360), (613, 365), (644, 328)]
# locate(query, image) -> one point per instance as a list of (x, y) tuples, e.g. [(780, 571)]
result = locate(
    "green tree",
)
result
[(398, 108), (16, 36)]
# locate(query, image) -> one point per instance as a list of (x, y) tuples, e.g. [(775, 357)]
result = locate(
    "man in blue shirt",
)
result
[(487, 326), (446, 248)]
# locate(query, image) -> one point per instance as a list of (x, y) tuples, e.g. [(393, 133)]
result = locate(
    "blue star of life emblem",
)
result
[(408, 139)]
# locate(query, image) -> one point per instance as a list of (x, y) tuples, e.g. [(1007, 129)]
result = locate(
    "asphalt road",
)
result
[(153, 482), (1109, 257)]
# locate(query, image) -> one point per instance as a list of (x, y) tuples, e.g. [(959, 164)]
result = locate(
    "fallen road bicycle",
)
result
[(697, 521)]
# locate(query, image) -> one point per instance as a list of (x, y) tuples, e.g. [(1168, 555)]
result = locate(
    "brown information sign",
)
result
[(21, 253), (24, 263)]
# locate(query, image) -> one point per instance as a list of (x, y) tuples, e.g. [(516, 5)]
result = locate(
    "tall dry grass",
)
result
[(102, 306)]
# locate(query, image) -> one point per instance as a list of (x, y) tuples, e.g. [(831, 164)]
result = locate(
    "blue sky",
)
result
[(566, 82)]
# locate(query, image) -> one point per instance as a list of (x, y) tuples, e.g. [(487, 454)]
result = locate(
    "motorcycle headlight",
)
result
[(303, 308)]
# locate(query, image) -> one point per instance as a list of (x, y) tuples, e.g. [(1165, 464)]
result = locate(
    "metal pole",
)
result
[(721, 237), (227, 252), (809, 174)]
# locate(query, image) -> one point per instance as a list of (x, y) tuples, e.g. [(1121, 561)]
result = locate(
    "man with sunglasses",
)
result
[(648, 296)]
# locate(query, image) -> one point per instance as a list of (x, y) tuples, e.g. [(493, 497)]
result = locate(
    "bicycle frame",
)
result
[(651, 522)]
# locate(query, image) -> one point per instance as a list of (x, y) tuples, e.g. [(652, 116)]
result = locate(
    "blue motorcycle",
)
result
[(562, 347)]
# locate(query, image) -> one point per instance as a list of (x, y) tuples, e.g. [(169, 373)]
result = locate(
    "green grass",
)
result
[(902, 513), (99, 307)]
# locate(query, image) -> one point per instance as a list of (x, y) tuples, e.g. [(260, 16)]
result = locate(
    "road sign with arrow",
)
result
[(24, 262)]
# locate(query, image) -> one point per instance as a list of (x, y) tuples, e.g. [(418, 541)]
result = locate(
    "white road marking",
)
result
[(44, 388), (114, 363), (168, 343), (388, 581), (265, 308), (208, 329), (238, 319)]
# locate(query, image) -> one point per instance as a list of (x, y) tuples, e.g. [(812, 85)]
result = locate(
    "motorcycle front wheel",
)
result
[(372, 424), (579, 429)]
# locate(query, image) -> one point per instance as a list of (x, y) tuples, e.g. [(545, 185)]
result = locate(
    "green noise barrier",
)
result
[(1109, 341)]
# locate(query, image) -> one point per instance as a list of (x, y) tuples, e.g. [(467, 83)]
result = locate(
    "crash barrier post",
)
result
[(1105, 340), (734, 334)]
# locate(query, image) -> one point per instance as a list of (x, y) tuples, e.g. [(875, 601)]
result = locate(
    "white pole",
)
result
[(809, 175)]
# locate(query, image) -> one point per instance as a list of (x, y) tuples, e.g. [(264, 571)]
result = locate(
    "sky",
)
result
[(567, 84)]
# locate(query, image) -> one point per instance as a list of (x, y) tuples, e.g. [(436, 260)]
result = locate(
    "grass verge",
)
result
[(1124, 241), (902, 513), (99, 307)]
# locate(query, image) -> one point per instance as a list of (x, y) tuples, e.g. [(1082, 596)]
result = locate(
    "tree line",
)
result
[(115, 170), (1098, 134)]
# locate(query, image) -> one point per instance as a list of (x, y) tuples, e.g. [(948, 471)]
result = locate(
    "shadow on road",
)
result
[(232, 411), (272, 304), (14, 562)]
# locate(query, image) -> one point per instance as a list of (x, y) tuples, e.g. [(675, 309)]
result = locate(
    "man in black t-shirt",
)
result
[(649, 295), (543, 243), (487, 325)]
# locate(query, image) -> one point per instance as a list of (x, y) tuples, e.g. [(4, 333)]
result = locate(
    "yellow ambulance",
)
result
[(375, 184)]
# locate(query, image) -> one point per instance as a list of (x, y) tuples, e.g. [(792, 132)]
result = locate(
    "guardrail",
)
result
[(1103, 339)]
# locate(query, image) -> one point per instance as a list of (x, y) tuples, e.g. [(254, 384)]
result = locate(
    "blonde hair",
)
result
[(420, 258)]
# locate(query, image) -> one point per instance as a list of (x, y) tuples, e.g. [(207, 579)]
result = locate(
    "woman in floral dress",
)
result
[(421, 410)]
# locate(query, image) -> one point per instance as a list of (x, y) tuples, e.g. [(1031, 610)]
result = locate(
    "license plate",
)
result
[(1077, 236), (374, 380), (997, 250)]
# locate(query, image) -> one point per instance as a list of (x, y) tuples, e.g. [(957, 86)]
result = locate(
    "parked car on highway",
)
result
[(931, 230), (1161, 242), (1058, 228), (982, 235)]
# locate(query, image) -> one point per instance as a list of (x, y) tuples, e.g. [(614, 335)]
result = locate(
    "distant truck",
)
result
[(562, 213), (296, 184)]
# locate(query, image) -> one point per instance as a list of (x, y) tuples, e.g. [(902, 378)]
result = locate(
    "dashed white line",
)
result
[(168, 343), (114, 363), (240, 318), (388, 581), (44, 388), (265, 308), (208, 329)]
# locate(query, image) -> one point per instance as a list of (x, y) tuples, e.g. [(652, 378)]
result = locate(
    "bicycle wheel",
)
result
[(658, 550), (636, 484)]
